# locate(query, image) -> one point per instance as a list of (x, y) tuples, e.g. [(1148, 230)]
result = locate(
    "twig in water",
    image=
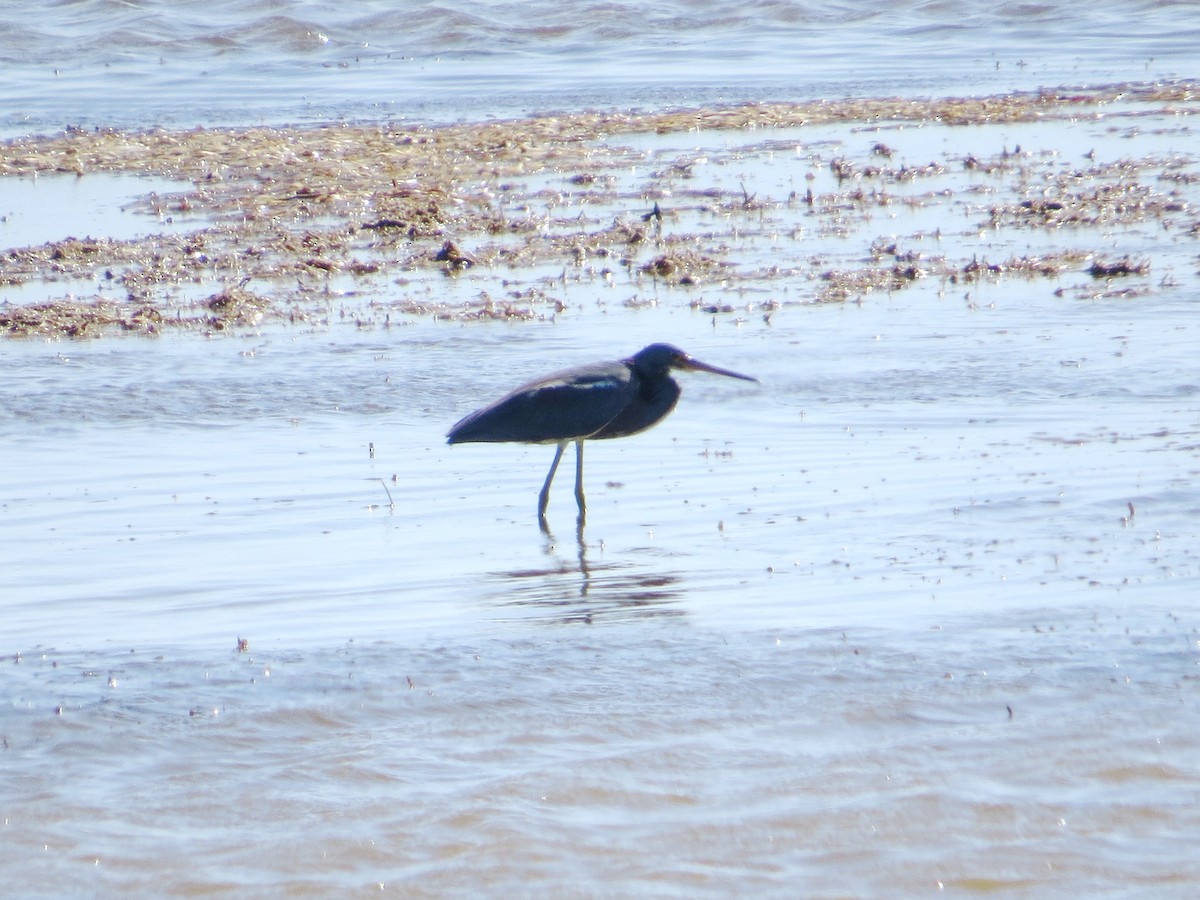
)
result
[(391, 502)]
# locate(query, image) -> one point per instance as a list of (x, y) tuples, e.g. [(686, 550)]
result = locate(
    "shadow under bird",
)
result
[(586, 403)]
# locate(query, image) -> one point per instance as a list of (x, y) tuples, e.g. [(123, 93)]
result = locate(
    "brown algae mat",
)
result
[(741, 210)]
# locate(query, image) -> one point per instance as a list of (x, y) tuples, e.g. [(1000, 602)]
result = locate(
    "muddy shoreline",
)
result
[(370, 223)]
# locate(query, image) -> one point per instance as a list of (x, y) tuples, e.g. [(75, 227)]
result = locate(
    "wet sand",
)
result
[(915, 615)]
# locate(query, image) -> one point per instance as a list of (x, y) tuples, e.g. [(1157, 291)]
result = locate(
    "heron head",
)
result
[(658, 358)]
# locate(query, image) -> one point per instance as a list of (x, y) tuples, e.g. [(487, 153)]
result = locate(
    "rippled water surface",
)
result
[(885, 622), (916, 614), (106, 63)]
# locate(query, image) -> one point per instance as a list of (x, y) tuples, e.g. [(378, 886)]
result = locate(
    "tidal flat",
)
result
[(747, 209), (913, 615)]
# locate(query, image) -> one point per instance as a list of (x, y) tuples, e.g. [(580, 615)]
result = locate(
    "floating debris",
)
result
[(316, 217), (1118, 269)]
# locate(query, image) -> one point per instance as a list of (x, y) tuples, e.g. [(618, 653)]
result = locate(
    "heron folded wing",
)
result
[(569, 407)]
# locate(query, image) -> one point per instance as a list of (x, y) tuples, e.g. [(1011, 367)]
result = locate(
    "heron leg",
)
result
[(579, 498), (544, 496)]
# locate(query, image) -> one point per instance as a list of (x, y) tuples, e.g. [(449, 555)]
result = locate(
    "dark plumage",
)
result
[(593, 402)]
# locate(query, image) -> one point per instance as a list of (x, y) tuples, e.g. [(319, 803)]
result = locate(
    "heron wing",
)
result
[(565, 406)]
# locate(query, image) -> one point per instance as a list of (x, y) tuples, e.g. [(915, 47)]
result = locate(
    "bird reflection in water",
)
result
[(581, 591), (592, 402)]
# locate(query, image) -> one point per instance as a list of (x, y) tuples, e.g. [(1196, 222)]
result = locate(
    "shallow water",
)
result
[(958, 456), (36, 210), (914, 615), (1053, 754), (783, 653)]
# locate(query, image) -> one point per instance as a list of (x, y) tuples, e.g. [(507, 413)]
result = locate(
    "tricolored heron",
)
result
[(593, 402)]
